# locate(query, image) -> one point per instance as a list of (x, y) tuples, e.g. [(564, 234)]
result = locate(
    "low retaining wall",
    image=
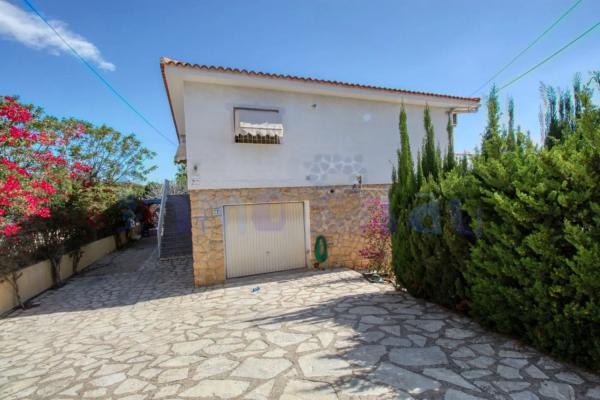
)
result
[(38, 277)]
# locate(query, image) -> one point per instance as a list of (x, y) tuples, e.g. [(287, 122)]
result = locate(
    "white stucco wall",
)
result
[(324, 145)]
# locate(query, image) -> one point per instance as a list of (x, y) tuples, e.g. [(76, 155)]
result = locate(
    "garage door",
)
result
[(261, 238)]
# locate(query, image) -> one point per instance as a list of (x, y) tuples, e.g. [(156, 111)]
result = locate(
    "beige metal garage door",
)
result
[(261, 238)]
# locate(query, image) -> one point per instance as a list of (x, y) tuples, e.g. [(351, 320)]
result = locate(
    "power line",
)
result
[(550, 56), (537, 39), (98, 75)]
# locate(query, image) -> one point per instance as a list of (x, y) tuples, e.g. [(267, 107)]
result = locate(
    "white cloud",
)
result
[(31, 31)]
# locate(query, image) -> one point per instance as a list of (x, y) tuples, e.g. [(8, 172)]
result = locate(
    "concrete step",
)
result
[(177, 234)]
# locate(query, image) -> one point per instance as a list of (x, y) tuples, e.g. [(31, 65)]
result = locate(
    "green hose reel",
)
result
[(321, 249)]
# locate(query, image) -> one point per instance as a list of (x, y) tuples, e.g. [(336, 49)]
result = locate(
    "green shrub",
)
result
[(514, 238), (538, 255)]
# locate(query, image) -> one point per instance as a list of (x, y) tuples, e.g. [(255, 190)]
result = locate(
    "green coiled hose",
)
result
[(321, 249)]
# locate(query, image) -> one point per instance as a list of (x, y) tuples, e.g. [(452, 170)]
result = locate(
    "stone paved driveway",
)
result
[(142, 332)]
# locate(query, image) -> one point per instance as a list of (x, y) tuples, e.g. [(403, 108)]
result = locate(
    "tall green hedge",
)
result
[(539, 252), (513, 238)]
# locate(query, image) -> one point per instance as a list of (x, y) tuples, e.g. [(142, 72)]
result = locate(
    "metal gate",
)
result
[(261, 238)]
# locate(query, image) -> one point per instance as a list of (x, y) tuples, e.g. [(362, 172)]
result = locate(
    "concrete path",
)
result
[(132, 329)]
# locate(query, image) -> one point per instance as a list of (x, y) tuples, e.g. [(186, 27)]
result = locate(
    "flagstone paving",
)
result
[(143, 332)]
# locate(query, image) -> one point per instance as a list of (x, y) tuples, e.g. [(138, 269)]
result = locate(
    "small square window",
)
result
[(258, 126)]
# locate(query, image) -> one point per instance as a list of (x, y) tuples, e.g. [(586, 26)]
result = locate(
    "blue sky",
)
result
[(441, 46)]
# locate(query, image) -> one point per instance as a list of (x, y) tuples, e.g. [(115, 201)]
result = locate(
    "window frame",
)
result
[(278, 140)]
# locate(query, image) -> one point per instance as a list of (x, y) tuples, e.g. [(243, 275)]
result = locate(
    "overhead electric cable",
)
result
[(589, 30), (99, 76), (537, 39)]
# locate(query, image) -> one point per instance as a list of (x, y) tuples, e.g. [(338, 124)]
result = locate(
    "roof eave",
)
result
[(225, 75), (162, 71)]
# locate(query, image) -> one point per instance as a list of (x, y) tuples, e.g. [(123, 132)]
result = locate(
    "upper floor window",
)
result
[(261, 126)]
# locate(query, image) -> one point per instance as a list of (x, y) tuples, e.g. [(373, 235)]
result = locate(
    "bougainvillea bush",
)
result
[(60, 185), (33, 172), (35, 179), (376, 236)]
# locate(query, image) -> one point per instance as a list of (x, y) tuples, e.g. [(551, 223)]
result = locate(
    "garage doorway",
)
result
[(262, 238)]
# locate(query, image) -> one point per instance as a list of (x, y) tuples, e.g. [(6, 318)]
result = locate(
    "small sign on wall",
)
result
[(217, 212)]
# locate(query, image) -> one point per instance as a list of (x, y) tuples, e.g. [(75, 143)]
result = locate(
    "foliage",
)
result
[(401, 192), (491, 143), (181, 176), (450, 159), (33, 174), (152, 190), (437, 238), (376, 236), (419, 224), (510, 132), (561, 109), (538, 252), (51, 201), (430, 159), (112, 156), (514, 237)]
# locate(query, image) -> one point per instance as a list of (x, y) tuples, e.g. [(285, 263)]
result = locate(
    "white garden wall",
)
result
[(38, 277)]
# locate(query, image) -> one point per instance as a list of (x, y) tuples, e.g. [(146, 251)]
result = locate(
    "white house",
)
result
[(274, 161)]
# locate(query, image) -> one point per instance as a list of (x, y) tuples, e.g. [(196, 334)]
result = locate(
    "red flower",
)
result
[(32, 201), (12, 184), (23, 172), (10, 230), (15, 132), (45, 186), (15, 112), (43, 212), (81, 167), (11, 165)]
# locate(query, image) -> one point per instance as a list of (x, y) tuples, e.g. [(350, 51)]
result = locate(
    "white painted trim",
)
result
[(307, 239)]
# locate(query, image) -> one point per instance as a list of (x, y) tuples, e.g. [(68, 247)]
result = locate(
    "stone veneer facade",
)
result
[(336, 212)]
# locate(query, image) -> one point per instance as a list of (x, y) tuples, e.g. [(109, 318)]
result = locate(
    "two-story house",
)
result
[(275, 161)]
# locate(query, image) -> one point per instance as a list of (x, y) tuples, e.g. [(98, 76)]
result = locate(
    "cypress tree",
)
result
[(464, 164), (406, 169), (393, 200), (430, 157), (510, 135), (403, 176), (491, 143), (577, 95), (420, 176), (553, 130), (402, 193), (450, 160)]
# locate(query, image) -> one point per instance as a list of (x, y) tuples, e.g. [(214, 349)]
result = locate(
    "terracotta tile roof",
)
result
[(167, 61), (212, 68)]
